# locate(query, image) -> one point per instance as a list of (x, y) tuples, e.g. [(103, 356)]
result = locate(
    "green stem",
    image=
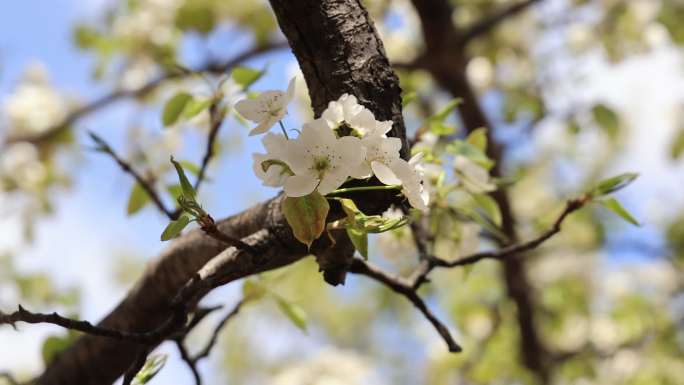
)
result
[(364, 188), (282, 127)]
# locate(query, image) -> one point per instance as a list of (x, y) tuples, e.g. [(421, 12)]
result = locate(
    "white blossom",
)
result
[(474, 177), (276, 174), (320, 160), (267, 109), (20, 162), (347, 110), (35, 105), (411, 177), (328, 367)]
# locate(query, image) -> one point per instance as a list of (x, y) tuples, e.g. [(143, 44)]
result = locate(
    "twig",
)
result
[(401, 286), (489, 22), (102, 146), (106, 100), (192, 364), (192, 361), (208, 225), (216, 116), (427, 264)]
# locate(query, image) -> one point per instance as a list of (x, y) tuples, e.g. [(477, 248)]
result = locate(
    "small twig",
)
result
[(192, 364), (570, 207), (208, 225), (104, 147), (216, 116), (401, 286), (214, 336), (487, 23)]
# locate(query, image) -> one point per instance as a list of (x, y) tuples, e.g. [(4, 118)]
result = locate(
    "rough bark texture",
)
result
[(339, 52)]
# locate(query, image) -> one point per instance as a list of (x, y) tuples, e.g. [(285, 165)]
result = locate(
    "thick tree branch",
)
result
[(339, 52)]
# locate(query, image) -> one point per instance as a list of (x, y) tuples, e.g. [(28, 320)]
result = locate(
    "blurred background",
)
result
[(574, 90)]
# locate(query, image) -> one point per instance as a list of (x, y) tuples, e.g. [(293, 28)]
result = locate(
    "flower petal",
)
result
[(300, 185), (289, 94), (385, 174), (264, 126), (251, 110), (350, 152), (332, 180)]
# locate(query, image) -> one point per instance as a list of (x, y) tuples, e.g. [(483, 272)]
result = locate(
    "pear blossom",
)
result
[(381, 155), (20, 162), (276, 174), (267, 109), (474, 177), (410, 177), (319, 160), (347, 110)]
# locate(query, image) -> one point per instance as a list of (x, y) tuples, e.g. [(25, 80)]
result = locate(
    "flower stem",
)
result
[(282, 127), (364, 188)]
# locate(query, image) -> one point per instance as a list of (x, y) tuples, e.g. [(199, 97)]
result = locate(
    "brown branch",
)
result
[(489, 22), (405, 288), (216, 116), (192, 364), (102, 146), (97, 104)]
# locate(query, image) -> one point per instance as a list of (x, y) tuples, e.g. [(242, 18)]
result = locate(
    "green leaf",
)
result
[(490, 207), (613, 205), (677, 147), (246, 76), (408, 98), (306, 216), (294, 312), (152, 366), (175, 190), (197, 17), (53, 345), (186, 186), (137, 199), (459, 147), (174, 108), (188, 165), (607, 119), (446, 110), (478, 138), (359, 239), (175, 227), (610, 185), (85, 36), (436, 121), (440, 128), (194, 107)]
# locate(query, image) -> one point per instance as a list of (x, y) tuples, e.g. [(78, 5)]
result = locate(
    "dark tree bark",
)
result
[(339, 52)]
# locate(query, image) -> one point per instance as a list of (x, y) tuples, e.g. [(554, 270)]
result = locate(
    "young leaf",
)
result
[(408, 98), (459, 147), (188, 165), (194, 107), (359, 239), (246, 76), (610, 185), (490, 207), (152, 366), (137, 199), (295, 313), (186, 186), (252, 289), (436, 121), (197, 17), (174, 108), (175, 227), (613, 205), (607, 119), (446, 110), (677, 146), (306, 216), (478, 138)]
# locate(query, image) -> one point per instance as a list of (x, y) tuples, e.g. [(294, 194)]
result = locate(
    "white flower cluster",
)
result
[(34, 106), (345, 142)]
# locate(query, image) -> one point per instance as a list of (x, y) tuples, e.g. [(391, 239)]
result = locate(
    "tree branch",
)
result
[(104, 147), (405, 288), (489, 22), (216, 117), (97, 104)]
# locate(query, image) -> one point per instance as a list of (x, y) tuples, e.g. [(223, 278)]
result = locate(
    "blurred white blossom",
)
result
[(329, 367)]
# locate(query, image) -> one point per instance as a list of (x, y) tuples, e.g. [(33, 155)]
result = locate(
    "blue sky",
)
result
[(40, 30)]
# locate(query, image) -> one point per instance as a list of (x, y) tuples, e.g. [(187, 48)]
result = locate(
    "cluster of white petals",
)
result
[(35, 105), (345, 142)]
